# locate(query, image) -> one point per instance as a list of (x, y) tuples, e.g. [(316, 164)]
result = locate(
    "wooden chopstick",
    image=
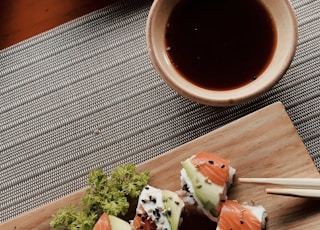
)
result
[(294, 182), (311, 193)]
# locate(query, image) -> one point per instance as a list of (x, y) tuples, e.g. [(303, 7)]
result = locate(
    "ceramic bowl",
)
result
[(287, 33)]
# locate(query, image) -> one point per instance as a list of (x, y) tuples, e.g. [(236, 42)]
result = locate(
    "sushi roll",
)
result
[(236, 216), (109, 222), (206, 178), (158, 209)]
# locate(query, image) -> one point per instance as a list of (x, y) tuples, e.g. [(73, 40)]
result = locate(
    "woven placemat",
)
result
[(85, 95)]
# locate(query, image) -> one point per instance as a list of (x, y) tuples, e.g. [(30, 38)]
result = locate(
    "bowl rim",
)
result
[(224, 97)]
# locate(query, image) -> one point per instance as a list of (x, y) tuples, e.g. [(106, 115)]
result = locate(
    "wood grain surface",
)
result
[(22, 19), (262, 144)]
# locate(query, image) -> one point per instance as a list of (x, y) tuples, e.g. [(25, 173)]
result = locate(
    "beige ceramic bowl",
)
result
[(286, 27)]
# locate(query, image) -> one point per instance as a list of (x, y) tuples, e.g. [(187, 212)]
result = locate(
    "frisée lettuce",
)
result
[(103, 195)]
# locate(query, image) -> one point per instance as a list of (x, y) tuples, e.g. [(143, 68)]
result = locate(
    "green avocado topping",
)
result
[(209, 194)]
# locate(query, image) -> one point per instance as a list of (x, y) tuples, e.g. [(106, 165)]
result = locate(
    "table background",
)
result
[(84, 95)]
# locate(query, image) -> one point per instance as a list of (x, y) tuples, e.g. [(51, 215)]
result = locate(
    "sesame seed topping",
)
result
[(168, 212), (207, 180), (160, 208)]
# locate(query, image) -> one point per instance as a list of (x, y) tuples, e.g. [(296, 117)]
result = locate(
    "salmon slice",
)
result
[(141, 221), (213, 167), (103, 223), (235, 216)]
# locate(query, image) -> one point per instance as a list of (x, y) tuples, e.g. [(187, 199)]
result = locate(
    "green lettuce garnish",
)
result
[(104, 194)]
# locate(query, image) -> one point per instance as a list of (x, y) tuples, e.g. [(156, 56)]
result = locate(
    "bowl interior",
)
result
[(286, 30)]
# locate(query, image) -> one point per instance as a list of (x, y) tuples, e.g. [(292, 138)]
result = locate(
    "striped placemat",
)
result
[(85, 95)]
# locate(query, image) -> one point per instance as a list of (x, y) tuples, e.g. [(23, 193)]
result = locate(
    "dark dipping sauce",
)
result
[(220, 45)]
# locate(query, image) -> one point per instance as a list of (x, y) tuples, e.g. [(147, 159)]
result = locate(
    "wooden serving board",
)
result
[(262, 144)]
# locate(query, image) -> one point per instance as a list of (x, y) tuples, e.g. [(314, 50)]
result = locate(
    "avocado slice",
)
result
[(209, 194), (173, 206), (118, 224)]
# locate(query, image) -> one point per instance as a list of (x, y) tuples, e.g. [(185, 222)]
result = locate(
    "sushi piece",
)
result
[(207, 178), (158, 209), (236, 216), (109, 222)]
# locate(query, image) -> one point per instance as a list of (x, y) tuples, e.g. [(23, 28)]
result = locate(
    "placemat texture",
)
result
[(85, 95)]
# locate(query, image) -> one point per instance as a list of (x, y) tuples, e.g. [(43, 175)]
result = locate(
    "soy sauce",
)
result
[(220, 45)]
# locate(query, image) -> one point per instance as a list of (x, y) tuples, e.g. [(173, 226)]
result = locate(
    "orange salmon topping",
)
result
[(103, 223), (215, 168), (234, 216), (141, 221)]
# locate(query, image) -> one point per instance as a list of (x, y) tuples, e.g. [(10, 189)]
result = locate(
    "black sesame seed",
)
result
[(177, 202), (241, 222), (158, 213), (143, 201), (211, 162), (139, 214), (223, 166), (185, 188), (147, 187)]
